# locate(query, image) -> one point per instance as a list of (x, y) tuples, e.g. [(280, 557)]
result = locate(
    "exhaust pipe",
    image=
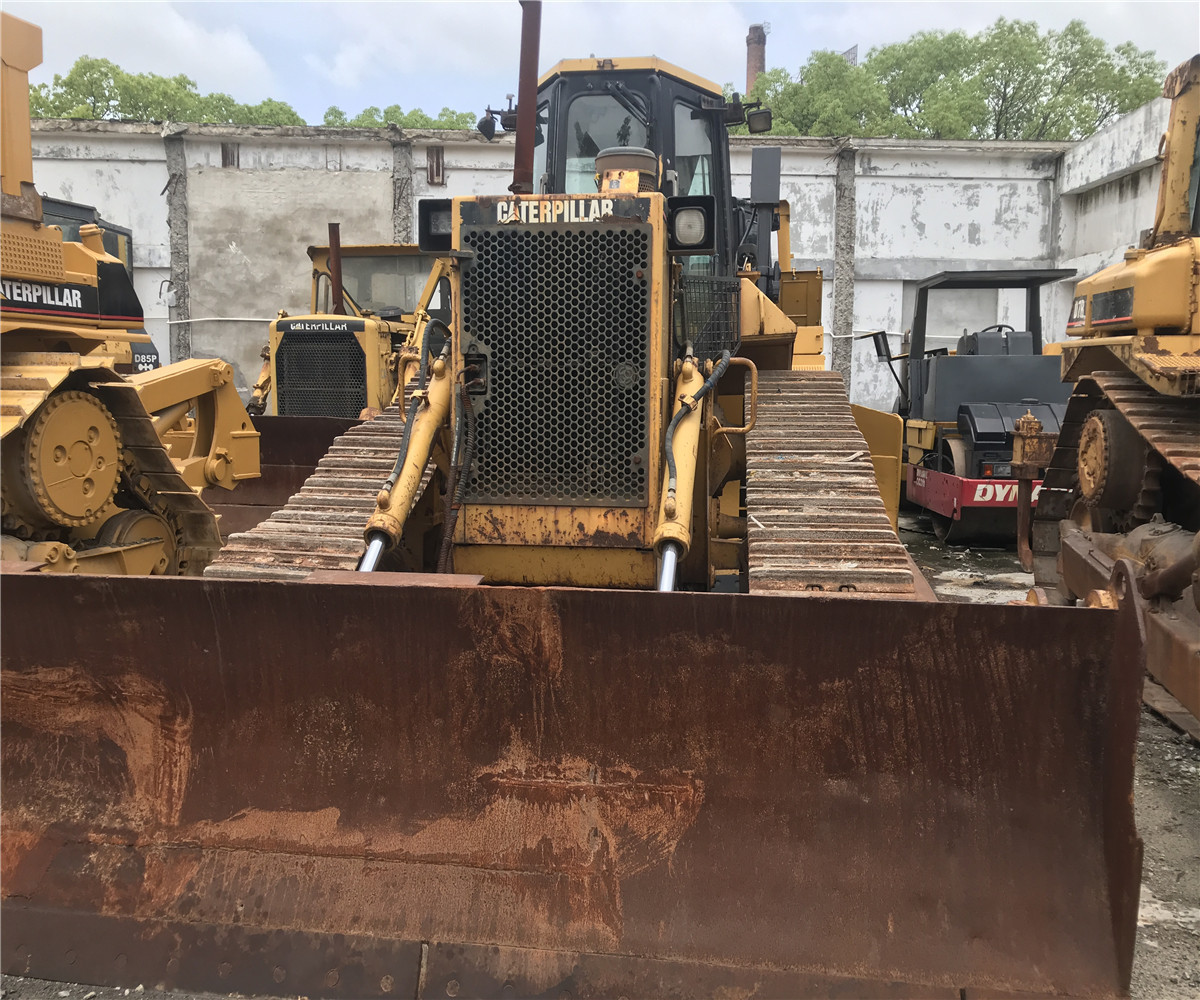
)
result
[(531, 32), (335, 268)]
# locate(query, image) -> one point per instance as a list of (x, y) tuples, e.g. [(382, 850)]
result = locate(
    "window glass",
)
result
[(596, 122), (693, 151), (539, 148), (385, 284)]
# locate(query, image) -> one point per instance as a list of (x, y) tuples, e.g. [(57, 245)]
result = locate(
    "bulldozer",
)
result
[(591, 668), (1124, 480), (348, 356), (104, 451)]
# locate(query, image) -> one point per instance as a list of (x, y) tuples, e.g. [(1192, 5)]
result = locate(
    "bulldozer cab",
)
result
[(589, 106), (385, 280)]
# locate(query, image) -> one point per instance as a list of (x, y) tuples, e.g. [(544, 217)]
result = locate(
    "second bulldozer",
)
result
[(651, 702), (1124, 481), (102, 462)]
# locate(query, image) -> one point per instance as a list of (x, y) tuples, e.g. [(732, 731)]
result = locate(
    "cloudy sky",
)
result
[(464, 54)]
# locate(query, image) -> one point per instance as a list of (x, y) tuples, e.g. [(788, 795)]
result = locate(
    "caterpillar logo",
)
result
[(35, 293), (554, 210)]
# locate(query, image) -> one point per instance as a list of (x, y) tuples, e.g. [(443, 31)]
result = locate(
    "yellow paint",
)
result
[(543, 524), (884, 433), (675, 507), (653, 64)]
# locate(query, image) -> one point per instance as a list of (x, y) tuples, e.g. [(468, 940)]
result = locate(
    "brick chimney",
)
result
[(756, 54)]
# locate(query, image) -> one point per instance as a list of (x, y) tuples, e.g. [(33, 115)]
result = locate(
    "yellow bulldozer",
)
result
[(1124, 481), (351, 352), (102, 464), (592, 668)]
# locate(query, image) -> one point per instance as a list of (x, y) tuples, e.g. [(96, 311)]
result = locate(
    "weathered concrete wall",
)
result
[(244, 214), (249, 225), (901, 212), (1108, 187)]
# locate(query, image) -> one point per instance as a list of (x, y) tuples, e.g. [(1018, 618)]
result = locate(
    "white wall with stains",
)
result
[(257, 197)]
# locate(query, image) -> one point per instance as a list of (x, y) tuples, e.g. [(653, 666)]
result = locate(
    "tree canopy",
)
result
[(393, 114), (1009, 81), (98, 88)]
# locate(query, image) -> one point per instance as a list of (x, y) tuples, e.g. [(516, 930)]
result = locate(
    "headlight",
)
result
[(439, 222), (689, 227)]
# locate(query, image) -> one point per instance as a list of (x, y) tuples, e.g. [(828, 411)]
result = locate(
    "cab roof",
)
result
[(651, 63)]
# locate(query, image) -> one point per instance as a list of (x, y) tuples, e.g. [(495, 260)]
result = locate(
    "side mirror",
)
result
[(759, 121)]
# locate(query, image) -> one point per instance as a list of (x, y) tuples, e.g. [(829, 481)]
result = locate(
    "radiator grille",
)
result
[(563, 316), (320, 374)]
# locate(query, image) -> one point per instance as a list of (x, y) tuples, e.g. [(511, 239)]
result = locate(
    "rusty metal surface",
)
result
[(1171, 628), (320, 527), (815, 520), (368, 790)]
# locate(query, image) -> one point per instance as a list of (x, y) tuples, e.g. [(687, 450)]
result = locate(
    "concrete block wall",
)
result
[(222, 216)]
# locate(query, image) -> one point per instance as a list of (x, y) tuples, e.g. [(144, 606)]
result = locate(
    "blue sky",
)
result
[(464, 55)]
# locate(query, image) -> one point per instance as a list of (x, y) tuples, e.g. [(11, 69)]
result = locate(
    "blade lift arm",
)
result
[(427, 412), (673, 536)]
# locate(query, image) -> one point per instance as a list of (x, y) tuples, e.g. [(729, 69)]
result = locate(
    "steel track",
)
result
[(321, 527), (815, 519)]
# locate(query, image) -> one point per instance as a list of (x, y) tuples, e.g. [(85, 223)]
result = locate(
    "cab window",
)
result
[(693, 151), (596, 122)]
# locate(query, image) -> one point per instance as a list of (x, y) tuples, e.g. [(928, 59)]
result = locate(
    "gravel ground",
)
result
[(1166, 802)]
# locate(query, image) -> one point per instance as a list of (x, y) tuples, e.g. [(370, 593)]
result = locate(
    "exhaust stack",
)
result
[(531, 32), (335, 268)]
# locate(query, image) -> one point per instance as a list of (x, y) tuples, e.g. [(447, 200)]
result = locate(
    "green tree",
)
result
[(98, 88), (335, 117), (1010, 81), (393, 114)]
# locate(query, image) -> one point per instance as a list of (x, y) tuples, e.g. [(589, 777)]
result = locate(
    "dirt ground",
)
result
[(1166, 802)]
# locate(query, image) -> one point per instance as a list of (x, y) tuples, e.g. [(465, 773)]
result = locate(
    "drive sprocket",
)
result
[(65, 468)]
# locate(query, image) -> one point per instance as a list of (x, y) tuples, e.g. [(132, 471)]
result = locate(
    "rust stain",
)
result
[(150, 727)]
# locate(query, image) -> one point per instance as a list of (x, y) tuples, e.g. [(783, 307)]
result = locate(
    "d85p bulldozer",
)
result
[(101, 463), (593, 669)]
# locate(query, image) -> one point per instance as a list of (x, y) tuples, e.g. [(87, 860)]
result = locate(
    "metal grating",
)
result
[(707, 314), (320, 374), (563, 316), (32, 258)]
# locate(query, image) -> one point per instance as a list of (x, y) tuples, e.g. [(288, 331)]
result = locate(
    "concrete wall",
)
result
[(1108, 189), (225, 213)]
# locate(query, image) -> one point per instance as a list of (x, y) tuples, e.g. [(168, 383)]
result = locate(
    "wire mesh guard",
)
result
[(706, 314)]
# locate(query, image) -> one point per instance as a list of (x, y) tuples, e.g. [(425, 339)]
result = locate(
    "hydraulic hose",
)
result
[(464, 445)]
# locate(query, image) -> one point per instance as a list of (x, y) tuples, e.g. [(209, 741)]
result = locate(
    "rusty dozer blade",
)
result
[(423, 787)]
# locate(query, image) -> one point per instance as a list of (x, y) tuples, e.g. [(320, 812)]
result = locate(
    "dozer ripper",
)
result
[(641, 697), (102, 464), (1124, 479)]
